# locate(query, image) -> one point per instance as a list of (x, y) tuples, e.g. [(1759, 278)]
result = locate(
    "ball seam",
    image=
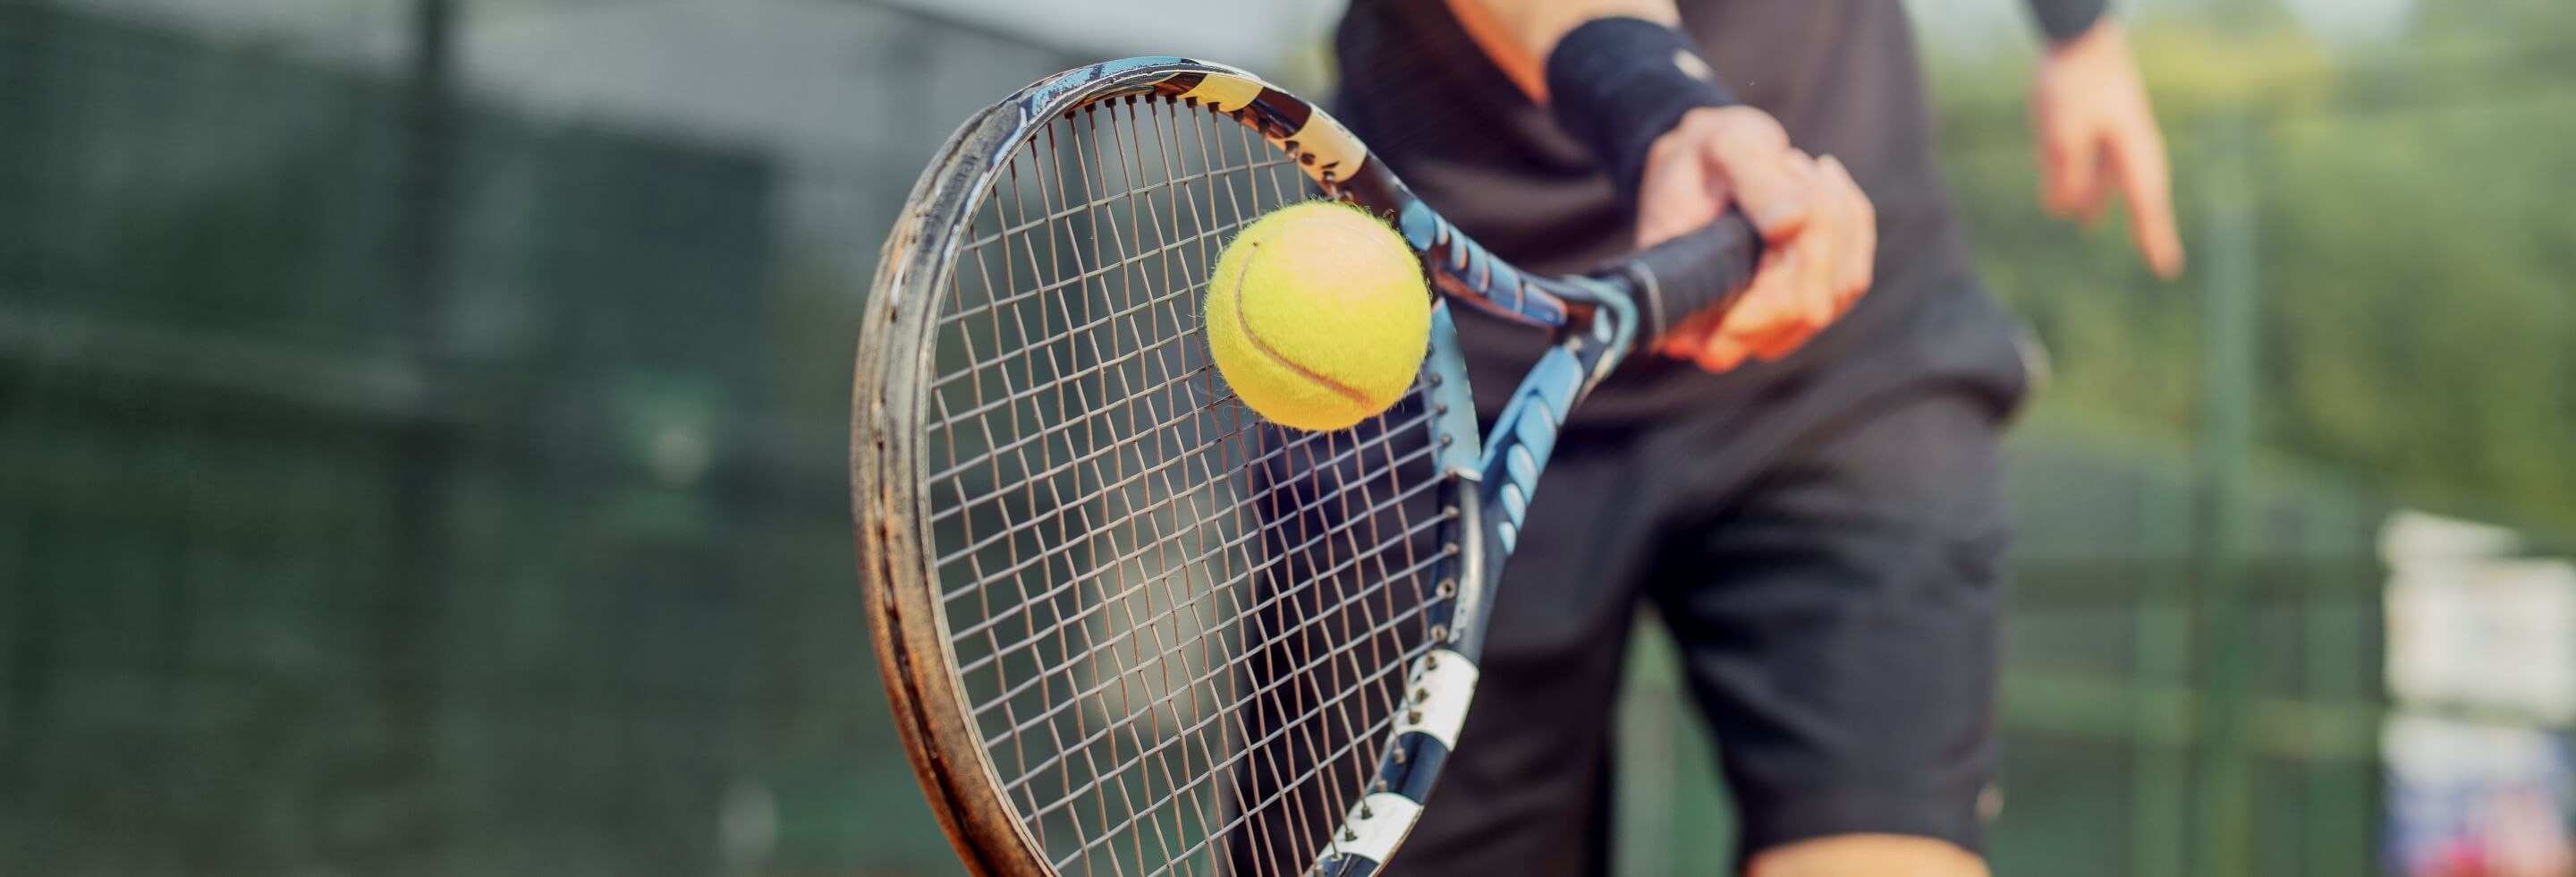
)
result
[(1245, 324)]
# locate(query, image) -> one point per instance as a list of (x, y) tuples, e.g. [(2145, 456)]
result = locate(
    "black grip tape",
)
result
[(1701, 271)]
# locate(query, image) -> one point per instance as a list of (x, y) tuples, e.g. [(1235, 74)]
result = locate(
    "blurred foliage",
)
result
[(2411, 246)]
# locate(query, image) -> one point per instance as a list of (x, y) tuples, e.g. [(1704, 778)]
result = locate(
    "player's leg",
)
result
[(1868, 855), (1837, 618)]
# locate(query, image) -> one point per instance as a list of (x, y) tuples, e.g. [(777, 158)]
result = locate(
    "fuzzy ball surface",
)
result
[(1317, 316)]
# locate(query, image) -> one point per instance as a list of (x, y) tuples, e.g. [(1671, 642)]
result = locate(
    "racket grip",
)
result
[(1701, 271)]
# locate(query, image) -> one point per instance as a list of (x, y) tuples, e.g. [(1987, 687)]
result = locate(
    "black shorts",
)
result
[(1827, 559), (1835, 612)]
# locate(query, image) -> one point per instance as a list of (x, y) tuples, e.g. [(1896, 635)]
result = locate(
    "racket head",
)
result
[(1107, 600)]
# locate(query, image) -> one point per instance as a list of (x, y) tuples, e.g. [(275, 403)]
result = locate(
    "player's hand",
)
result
[(2095, 132), (1820, 234)]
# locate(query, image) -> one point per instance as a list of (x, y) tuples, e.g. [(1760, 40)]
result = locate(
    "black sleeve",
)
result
[(2066, 19)]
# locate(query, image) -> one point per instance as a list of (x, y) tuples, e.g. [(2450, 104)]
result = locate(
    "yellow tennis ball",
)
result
[(1317, 316)]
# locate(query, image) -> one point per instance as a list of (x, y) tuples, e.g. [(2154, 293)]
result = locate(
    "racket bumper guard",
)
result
[(1369, 836), (1436, 696)]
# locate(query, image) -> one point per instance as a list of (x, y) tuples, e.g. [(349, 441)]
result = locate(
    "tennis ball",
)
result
[(1317, 316)]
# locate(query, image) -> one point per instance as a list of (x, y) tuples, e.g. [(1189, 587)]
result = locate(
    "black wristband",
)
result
[(2064, 20), (1616, 84)]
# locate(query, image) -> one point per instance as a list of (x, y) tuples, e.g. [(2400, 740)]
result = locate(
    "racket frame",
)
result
[(1487, 487)]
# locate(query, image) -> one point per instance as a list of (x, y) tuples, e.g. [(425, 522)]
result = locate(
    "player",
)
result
[(1806, 492)]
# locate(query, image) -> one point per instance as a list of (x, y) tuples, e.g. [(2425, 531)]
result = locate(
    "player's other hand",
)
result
[(2096, 132), (1820, 233)]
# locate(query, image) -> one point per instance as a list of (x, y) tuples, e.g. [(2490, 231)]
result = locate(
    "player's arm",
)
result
[(1621, 78), (2096, 132)]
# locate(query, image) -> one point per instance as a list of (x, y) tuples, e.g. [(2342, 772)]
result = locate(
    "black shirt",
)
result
[(1840, 75)]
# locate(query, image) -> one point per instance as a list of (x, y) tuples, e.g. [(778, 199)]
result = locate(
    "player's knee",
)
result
[(1867, 855)]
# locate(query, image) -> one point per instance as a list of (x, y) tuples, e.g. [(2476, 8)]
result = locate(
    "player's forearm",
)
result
[(1520, 34), (2064, 20)]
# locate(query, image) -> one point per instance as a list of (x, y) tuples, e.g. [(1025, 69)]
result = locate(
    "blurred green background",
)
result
[(423, 423)]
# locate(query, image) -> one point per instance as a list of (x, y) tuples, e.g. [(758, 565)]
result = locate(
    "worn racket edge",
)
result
[(982, 514)]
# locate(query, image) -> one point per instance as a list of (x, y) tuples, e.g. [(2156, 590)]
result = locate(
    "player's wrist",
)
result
[(1620, 84), (2065, 21), (2103, 38)]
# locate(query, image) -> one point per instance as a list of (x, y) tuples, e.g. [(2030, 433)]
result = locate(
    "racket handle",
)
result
[(1700, 271)]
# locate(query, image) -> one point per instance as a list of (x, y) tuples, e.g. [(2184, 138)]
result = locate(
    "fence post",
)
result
[(2159, 773), (2223, 456)]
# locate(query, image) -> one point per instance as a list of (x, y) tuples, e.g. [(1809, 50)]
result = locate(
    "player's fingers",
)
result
[(1859, 255), (1686, 338), (2051, 161), (1806, 267), (2096, 195), (2146, 184), (1767, 308), (1786, 336), (1778, 347), (1684, 341), (1771, 299), (1756, 171), (1824, 238), (1772, 318), (1842, 219), (1673, 198), (1781, 341), (1719, 354), (2074, 169)]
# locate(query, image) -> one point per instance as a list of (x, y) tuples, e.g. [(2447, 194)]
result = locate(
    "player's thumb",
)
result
[(1673, 199), (1764, 184)]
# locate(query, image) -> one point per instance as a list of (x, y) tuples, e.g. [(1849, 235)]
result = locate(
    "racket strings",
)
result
[(1418, 530), (1182, 630)]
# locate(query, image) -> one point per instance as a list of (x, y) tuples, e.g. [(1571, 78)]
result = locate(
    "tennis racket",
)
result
[(1128, 626)]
